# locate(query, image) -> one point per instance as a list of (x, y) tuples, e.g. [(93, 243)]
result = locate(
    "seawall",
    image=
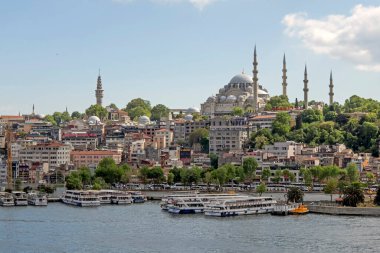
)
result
[(340, 210)]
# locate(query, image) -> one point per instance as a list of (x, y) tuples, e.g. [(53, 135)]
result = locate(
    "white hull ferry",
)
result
[(240, 206), (37, 199), (20, 198), (80, 198), (168, 200), (6, 199), (104, 196), (121, 198), (196, 203)]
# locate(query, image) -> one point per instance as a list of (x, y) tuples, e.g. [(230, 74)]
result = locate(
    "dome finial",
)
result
[(242, 71)]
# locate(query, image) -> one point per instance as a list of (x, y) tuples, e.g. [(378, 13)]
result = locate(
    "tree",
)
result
[(114, 106), (99, 184), (177, 174), (84, 175), (109, 171), (331, 116), (73, 181), (237, 111), (143, 174), (250, 165), (352, 173), (156, 174), (200, 136), (65, 117), (138, 102), (261, 188), (331, 187), (170, 178), (353, 195), (281, 125), (307, 177), (295, 195), (311, 115), (214, 160), (97, 110), (76, 115), (18, 184), (159, 111), (370, 178), (265, 174), (50, 118), (277, 176), (137, 112), (277, 102)]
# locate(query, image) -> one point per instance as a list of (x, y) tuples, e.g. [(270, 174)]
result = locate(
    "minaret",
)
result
[(284, 77), (331, 86), (99, 91), (305, 90), (255, 80), (33, 110)]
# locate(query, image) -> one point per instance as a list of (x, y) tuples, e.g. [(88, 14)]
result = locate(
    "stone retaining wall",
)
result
[(335, 210)]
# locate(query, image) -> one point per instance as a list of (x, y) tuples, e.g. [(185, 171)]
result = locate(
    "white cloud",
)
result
[(199, 4), (354, 38)]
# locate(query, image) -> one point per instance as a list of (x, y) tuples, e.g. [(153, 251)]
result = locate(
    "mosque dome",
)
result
[(262, 92), (241, 98), (143, 120), (192, 110), (222, 98), (211, 99), (40, 116), (231, 98), (93, 120), (189, 117), (241, 78)]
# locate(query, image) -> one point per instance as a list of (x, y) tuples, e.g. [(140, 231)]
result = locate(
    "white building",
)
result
[(54, 154), (283, 150), (228, 134)]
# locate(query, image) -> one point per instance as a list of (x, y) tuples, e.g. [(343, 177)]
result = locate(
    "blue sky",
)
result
[(179, 52)]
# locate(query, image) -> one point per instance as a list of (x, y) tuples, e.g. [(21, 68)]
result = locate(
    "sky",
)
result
[(180, 52)]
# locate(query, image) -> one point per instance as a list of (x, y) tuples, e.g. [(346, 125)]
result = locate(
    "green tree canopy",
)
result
[(97, 110), (159, 111)]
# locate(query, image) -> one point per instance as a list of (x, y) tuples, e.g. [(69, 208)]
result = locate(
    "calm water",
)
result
[(145, 228)]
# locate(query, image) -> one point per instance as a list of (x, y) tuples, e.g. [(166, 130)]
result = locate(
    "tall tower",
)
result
[(255, 80), (331, 86), (284, 77), (99, 90), (305, 90), (33, 113)]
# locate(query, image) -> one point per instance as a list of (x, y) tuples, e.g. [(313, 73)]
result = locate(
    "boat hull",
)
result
[(229, 213)]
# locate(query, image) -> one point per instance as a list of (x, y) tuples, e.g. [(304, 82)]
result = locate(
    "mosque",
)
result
[(245, 92), (242, 91)]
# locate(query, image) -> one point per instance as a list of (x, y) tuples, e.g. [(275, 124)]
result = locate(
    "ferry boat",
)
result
[(6, 199), (240, 206), (37, 199), (196, 203), (137, 197), (20, 198), (104, 196), (80, 198), (168, 200), (121, 198)]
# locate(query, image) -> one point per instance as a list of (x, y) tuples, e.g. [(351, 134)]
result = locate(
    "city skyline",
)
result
[(145, 48)]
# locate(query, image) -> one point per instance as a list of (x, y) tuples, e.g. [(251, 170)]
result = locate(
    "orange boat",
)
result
[(301, 209)]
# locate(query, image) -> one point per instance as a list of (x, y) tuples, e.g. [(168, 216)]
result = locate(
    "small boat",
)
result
[(282, 209), (137, 196), (80, 198), (6, 199), (301, 209), (37, 199), (20, 198)]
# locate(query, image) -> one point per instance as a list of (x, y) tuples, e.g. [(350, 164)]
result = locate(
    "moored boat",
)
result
[(240, 206), (37, 199), (121, 198), (137, 197), (20, 198), (80, 198), (301, 209), (195, 203), (6, 199)]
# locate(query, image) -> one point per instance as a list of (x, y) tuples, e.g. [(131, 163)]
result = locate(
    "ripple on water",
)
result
[(145, 228)]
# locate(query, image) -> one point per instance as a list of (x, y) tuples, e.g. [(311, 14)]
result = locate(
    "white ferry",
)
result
[(121, 198), (80, 198), (240, 206), (168, 200), (196, 203), (20, 198), (104, 196), (37, 199), (6, 199)]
